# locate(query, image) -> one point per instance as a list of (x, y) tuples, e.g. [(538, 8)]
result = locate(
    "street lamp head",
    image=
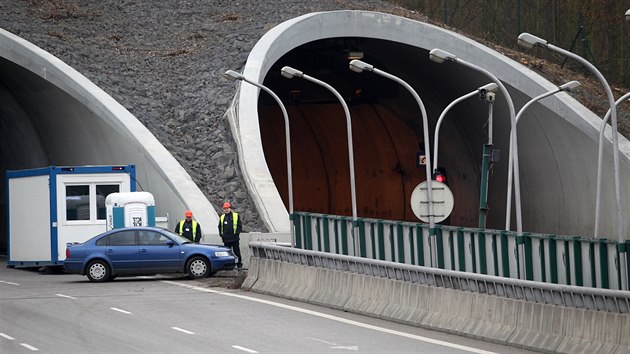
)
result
[(569, 86), (529, 41), (439, 56), (290, 73), (491, 87), (628, 15), (233, 75), (359, 66)]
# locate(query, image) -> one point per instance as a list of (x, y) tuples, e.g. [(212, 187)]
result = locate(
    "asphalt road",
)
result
[(64, 313)]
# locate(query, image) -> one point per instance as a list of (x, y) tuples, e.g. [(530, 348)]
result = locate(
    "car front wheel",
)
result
[(98, 271), (198, 267)]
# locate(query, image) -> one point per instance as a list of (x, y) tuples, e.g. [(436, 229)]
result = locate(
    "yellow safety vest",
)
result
[(234, 221), (181, 228)]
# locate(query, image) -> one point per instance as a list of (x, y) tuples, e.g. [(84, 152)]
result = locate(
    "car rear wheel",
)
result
[(98, 271), (198, 267)]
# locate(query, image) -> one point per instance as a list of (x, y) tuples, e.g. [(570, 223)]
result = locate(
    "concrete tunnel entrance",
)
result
[(387, 132)]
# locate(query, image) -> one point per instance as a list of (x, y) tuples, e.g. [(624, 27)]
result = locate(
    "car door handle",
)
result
[(109, 250), (143, 250)]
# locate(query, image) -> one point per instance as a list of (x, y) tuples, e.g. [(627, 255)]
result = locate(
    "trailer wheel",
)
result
[(98, 271), (197, 267)]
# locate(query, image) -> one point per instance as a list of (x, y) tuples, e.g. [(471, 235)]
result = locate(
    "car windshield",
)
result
[(175, 237)]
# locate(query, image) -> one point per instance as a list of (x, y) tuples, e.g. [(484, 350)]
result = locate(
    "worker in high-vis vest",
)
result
[(189, 228), (229, 230)]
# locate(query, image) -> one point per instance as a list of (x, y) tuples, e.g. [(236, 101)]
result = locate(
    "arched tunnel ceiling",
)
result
[(557, 137)]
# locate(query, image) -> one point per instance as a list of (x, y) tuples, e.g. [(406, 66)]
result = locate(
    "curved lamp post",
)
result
[(290, 73), (569, 86), (528, 41), (492, 87), (440, 56), (483, 92), (599, 160), (628, 15), (359, 66), (233, 75)]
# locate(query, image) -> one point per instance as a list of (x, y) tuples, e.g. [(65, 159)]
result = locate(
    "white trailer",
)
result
[(49, 207)]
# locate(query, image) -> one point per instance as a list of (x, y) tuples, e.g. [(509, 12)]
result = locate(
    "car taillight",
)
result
[(67, 253)]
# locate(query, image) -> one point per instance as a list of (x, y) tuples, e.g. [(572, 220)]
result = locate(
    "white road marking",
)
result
[(6, 336), (346, 347), (66, 296), (30, 347), (8, 282), (244, 349), (335, 318), (119, 310), (322, 341), (182, 330)]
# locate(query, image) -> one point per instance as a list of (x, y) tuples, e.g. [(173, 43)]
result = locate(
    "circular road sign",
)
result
[(443, 201)]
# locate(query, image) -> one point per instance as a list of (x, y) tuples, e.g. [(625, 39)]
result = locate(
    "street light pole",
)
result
[(359, 66), (484, 92), (566, 87), (528, 41), (599, 161), (290, 73), (233, 75), (440, 56)]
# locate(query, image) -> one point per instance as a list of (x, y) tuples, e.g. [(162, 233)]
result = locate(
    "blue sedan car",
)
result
[(144, 251)]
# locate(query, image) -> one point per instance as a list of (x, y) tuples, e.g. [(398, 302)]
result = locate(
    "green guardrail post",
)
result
[(505, 254), (440, 246), (483, 267), (298, 230), (591, 263), (519, 241), (420, 245), (553, 259), (529, 259), (543, 261), (381, 240), (392, 248), (473, 252), (362, 240), (344, 236), (308, 240), (461, 250), (627, 261), (495, 255), (318, 231), (451, 243), (326, 234), (401, 242), (567, 261), (412, 246), (603, 263), (579, 267)]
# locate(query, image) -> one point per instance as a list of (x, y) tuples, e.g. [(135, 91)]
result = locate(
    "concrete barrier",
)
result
[(521, 323)]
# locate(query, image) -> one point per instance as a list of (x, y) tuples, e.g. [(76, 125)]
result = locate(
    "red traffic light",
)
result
[(439, 175), (440, 178)]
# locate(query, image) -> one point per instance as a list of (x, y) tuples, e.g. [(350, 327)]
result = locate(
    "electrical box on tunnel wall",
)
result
[(130, 209), (51, 206)]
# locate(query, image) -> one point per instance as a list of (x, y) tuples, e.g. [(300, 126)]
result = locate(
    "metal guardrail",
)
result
[(613, 301), (548, 258)]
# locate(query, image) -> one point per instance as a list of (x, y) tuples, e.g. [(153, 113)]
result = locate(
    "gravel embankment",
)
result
[(164, 61)]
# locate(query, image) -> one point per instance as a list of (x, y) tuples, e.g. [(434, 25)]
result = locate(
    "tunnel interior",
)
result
[(387, 131)]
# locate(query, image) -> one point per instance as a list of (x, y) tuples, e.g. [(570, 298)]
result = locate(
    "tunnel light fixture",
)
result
[(628, 15), (569, 86), (359, 66), (233, 75), (529, 41), (290, 72), (439, 56), (355, 55)]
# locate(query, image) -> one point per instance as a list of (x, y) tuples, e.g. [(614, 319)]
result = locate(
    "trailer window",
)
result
[(78, 202), (102, 191)]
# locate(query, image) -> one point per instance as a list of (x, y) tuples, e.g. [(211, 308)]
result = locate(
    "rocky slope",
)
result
[(164, 61)]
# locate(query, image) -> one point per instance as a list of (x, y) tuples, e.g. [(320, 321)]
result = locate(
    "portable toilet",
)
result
[(130, 209)]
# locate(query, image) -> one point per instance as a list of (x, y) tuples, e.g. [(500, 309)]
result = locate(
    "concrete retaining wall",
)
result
[(536, 326)]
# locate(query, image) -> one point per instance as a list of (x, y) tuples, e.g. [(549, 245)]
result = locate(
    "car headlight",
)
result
[(221, 254)]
